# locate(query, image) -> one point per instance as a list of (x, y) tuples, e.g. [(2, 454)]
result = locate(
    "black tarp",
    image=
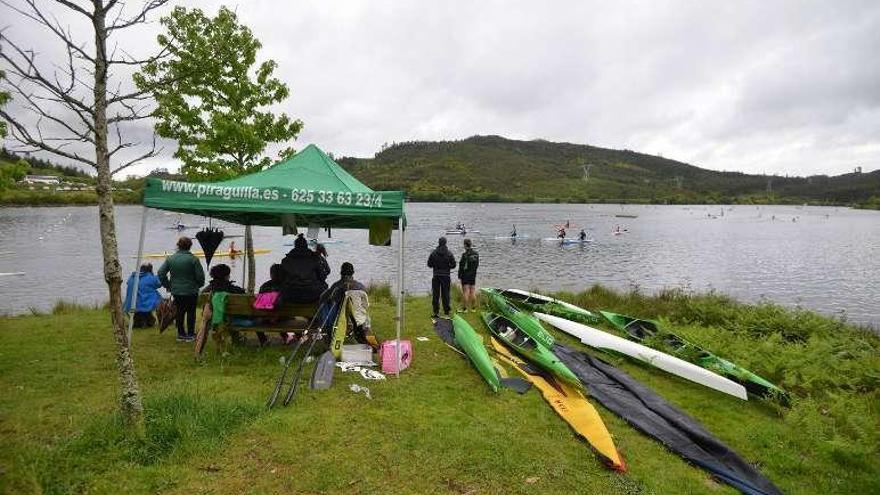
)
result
[(651, 414)]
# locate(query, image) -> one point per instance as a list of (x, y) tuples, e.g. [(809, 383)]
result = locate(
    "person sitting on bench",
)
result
[(220, 281), (304, 274)]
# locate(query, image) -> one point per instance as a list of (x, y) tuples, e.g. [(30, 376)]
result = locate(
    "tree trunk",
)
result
[(249, 251), (130, 397)]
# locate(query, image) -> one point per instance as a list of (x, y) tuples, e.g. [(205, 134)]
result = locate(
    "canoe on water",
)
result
[(461, 232), (532, 302), (219, 254), (671, 364), (513, 336), (644, 330), (572, 406)]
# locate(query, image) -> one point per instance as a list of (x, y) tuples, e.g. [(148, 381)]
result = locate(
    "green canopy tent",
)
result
[(308, 189)]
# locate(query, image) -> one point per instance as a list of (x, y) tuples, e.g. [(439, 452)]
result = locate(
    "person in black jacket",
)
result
[(304, 274), (441, 261), (467, 274), (220, 281)]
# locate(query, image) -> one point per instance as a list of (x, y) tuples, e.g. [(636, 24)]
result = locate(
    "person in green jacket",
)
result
[(187, 278)]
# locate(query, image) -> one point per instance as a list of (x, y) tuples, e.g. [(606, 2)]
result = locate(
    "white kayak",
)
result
[(512, 237), (568, 240), (462, 232), (604, 340)]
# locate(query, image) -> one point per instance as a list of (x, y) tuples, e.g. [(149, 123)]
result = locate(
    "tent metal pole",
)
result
[(401, 292), (137, 276)]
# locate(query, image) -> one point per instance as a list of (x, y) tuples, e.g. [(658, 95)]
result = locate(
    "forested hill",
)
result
[(492, 168)]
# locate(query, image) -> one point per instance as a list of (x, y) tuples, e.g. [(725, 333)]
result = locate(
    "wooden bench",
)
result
[(289, 317)]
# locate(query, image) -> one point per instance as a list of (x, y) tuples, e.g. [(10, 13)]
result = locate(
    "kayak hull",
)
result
[(507, 331), (570, 404), (673, 365), (533, 302), (642, 330), (471, 343)]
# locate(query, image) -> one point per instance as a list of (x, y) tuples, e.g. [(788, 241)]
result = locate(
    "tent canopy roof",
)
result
[(308, 188)]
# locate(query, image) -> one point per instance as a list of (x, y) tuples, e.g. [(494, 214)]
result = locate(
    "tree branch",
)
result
[(153, 152), (22, 135), (72, 6), (54, 25), (29, 71), (139, 18)]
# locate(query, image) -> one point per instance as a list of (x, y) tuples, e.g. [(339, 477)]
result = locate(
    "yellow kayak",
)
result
[(574, 408), (219, 254)]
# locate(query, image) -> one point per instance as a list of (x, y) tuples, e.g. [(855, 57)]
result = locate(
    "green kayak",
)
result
[(514, 337), (468, 341), (540, 303), (644, 331), (524, 320)]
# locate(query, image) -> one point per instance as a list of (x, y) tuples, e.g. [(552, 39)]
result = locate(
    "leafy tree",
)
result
[(11, 173), (214, 99)]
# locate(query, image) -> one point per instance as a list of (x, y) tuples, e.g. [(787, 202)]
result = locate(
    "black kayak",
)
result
[(651, 414)]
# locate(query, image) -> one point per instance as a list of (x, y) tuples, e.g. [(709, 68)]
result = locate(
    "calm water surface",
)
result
[(824, 259)]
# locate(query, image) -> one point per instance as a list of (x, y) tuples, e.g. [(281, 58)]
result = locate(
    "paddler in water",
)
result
[(582, 236), (561, 233), (513, 232)]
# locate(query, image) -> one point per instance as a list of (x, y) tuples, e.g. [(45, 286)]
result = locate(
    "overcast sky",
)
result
[(759, 87)]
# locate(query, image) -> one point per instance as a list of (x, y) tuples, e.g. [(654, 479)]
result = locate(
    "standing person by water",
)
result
[(148, 297), (187, 277), (441, 261), (467, 274), (513, 232)]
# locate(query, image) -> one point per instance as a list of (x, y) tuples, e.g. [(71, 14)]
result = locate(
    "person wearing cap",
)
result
[(441, 261), (187, 277), (148, 297), (467, 274), (346, 282)]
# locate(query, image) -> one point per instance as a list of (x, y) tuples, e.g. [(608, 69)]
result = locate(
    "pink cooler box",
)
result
[(388, 355)]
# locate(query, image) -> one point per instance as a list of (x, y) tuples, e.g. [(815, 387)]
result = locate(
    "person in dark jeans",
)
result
[(187, 277), (441, 261)]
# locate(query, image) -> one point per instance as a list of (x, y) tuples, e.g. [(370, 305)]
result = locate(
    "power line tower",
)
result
[(587, 169)]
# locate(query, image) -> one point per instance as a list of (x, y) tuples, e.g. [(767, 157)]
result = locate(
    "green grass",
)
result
[(437, 429)]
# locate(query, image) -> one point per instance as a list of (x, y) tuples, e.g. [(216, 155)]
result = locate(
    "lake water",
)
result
[(824, 259)]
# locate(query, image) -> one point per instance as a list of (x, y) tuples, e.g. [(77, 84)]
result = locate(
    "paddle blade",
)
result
[(322, 375)]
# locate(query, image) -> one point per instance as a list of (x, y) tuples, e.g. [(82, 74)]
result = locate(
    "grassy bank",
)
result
[(436, 430)]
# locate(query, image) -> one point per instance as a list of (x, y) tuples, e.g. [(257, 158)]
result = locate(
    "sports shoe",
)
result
[(434, 316), (181, 338), (190, 338), (462, 310), (473, 310)]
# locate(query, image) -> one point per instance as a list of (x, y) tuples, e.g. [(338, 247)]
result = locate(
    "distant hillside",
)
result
[(492, 168)]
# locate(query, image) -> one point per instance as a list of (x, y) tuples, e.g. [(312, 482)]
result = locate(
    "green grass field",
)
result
[(437, 429)]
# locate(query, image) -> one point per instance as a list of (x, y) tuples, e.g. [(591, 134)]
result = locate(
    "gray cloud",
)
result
[(776, 87)]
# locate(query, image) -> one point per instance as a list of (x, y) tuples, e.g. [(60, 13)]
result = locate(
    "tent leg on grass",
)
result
[(137, 276), (401, 292)]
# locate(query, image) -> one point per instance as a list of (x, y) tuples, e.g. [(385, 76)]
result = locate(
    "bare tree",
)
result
[(71, 108)]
